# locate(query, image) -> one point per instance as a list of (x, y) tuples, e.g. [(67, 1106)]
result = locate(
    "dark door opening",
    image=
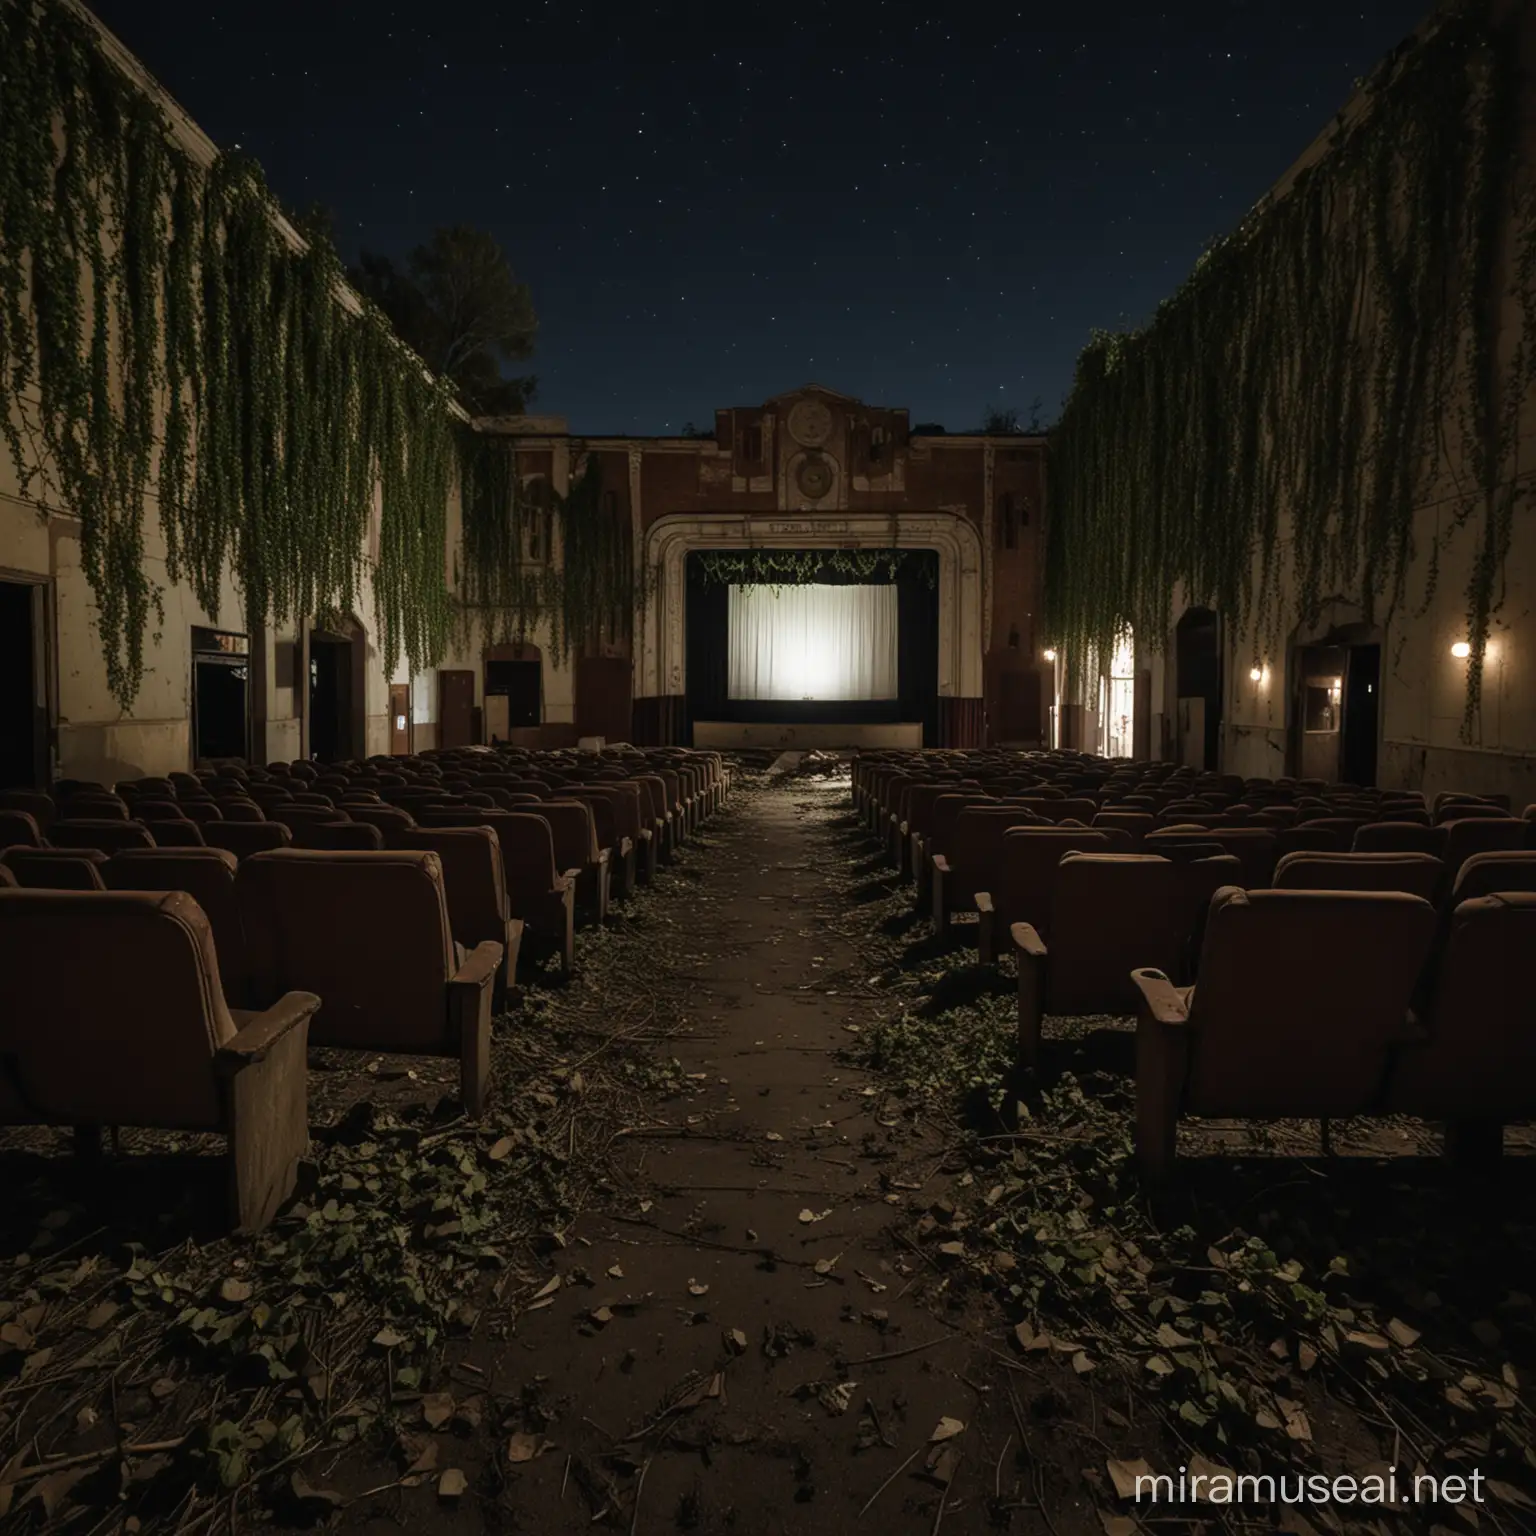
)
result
[(1319, 712), (521, 683), (220, 707), (1198, 676), (330, 699), (455, 708), (399, 719), (1362, 704), (23, 762)]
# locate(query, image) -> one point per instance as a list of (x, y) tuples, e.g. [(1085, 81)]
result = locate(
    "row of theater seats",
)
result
[(1311, 939), (171, 984)]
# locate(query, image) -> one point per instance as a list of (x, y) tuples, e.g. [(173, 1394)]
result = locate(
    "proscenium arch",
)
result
[(661, 658)]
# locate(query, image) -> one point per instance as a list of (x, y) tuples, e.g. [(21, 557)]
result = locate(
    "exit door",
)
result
[(455, 709)]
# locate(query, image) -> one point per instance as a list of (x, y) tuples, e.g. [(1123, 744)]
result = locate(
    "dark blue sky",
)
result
[(915, 204)]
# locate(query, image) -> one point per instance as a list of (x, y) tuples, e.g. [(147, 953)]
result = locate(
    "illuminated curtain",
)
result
[(813, 642)]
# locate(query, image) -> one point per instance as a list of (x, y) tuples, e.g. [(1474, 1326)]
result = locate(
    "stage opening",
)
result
[(812, 642)]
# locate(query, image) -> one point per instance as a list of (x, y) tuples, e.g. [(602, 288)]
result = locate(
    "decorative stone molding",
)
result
[(661, 656)]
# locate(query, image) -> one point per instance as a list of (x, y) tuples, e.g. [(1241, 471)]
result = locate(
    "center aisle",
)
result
[(713, 1360)]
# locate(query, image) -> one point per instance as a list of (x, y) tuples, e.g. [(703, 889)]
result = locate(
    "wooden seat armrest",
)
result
[(941, 863), (480, 965), (603, 855), (984, 902), (1161, 1001), (1027, 941), (626, 846), (571, 876), (259, 1032)]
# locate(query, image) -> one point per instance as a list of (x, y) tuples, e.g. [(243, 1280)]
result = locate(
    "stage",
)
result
[(805, 736)]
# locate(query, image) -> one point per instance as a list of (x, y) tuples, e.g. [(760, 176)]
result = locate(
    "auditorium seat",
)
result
[(369, 934), (1419, 874), (1302, 996), (56, 869), (474, 879), (1475, 1065), (243, 838), (105, 834), (1110, 914), (205, 874), (1026, 880), (142, 1036), (19, 829)]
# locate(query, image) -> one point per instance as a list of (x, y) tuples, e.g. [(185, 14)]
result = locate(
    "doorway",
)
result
[(1362, 713), (330, 698), (221, 695), (514, 689), (1197, 661), (23, 710), (399, 719), (603, 686), (1319, 711)]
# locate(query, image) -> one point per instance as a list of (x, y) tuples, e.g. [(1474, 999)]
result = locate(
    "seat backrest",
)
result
[(1253, 848), (1465, 836), (1111, 913), (357, 835), (107, 835), (1419, 874), (1400, 837), (56, 869), (125, 1039), (1481, 1057), (1135, 824), (574, 831), (1300, 995), (207, 875), (528, 859), (367, 932), (605, 821), (387, 818), (977, 842), (472, 876), (244, 838), (180, 833), (34, 802), (19, 829), (1311, 837), (1026, 871), (1483, 874)]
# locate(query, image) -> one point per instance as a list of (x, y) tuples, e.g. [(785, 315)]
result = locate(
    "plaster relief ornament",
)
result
[(810, 423), (814, 477)]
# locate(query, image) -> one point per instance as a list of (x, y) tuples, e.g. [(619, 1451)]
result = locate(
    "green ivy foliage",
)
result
[(586, 597), (1310, 384), (775, 568), (159, 331)]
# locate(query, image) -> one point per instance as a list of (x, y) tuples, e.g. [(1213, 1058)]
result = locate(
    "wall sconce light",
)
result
[(1461, 650), (1256, 674), (1050, 655)]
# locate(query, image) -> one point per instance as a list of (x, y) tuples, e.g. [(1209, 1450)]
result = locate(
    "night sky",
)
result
[(919, 205)]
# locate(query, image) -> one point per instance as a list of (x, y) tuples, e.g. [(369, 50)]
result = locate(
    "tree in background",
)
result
[(457, 303), (1006, 423)]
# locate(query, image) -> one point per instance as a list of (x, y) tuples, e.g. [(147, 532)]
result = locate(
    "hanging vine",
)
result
[(777, 568), (144, 295), (1327, 370), (537, 558)]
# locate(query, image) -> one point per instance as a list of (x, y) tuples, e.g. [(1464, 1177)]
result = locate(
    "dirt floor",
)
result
[(757, 1241)]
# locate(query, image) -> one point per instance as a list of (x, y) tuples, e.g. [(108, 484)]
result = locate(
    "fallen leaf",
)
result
[(1123, 1475), (835, 1399), (451, 1484), (162, 1389), (736, 1341), (305, 1494), (1024, 1334), (615, 1272), (1116, 1525), (235, 1291), (525, 1447), (437, 1409), (496, 1155), (549, 1288), (941, 1463), (51, 1491), (773, 1136), (601, 1316), (420, 1454), (100, 1315), (807, 1216), (946, 1429), (697, 1288), (387, 1338), (1402, 1334), (1200, 1467), (1081, 1363)]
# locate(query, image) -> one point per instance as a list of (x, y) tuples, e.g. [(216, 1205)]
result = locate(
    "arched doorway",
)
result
[(1197, 664), (337, 657), (513, 688)]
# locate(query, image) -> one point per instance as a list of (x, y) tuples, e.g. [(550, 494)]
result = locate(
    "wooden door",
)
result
[(603, 685), (455, 708), (399, 719), (1020, 706)]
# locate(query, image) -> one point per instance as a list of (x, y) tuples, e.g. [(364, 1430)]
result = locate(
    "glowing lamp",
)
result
[(1461, 650), (1257, 674), (1050, 655)]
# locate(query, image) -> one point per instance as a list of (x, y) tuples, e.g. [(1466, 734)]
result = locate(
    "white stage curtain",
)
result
[(813, 642)]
